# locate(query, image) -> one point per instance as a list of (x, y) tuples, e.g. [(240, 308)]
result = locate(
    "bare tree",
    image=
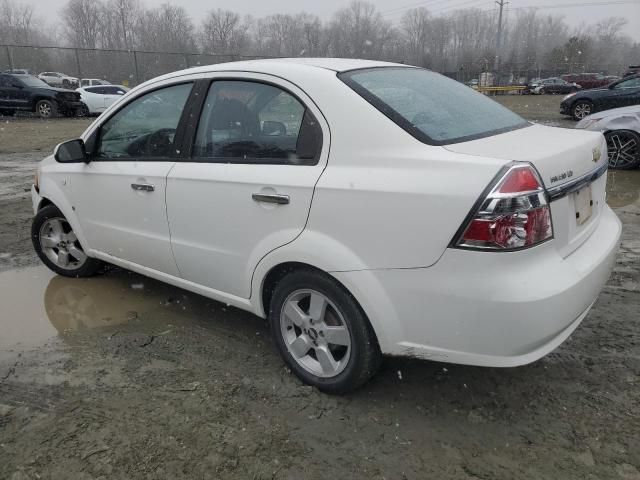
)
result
[(359, 31), (82, 22), (223, 31), (16, 23)]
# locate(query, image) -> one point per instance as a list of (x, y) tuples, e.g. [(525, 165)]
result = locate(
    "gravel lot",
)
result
[(122, 377)]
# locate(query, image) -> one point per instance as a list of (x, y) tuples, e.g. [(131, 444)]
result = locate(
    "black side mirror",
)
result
[(73, 151), (275, 129)]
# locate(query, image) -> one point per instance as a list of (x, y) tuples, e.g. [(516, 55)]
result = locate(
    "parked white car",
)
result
[(98, 99), (90, 82), (364, 208), (57, 79), (621, 128)]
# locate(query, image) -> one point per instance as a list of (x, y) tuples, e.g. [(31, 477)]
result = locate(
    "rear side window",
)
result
[(251, 122), (431, 107)]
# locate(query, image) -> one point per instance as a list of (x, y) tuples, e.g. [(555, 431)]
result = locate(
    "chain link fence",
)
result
[(126, 67)]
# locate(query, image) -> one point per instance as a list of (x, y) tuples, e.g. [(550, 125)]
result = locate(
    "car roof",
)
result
[(275, 65)]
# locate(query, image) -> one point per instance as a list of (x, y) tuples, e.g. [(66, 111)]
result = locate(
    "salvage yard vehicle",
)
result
[(622, 93), (363, 207), (30, 94), (97, 99), (554, 85), (621, 128), (90, 82), (57, 79)]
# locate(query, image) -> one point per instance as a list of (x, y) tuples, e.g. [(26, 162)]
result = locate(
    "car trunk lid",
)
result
[(570, 163)]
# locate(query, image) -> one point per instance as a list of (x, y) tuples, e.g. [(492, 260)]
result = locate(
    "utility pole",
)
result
[(496, 63)]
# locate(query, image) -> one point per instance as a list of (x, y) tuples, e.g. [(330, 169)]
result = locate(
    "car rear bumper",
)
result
[(489, 309)]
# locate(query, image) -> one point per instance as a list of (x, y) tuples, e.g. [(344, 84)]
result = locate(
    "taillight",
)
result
[(515, 214)]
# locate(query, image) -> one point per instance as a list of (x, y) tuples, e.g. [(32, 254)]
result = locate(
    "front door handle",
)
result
[(143, 187), (271, 198)]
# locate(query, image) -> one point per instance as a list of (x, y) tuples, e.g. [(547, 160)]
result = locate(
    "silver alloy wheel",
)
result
[(315, 333), (60, 244), (622, 149), (582, 110), (44, 109)]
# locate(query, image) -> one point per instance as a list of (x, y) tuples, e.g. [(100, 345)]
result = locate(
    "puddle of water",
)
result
[(623, 187), (37, 305)]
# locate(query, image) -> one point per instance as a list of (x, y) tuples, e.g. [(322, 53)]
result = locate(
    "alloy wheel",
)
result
[(315, 333), (582, 110), (44, 109), (623, 149), (60, 244)]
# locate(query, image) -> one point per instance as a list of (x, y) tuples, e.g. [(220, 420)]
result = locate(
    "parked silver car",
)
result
[(621, 128)]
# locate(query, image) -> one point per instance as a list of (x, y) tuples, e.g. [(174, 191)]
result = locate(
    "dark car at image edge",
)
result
[(623, 93), (30, 94)]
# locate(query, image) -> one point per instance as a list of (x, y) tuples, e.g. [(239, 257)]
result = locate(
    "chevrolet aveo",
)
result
[(364, 208)]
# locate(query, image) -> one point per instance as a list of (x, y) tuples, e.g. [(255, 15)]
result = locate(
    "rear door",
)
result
[(246, 187), (120, 195)]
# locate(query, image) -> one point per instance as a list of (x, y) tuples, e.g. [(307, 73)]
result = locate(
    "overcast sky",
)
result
[(392, 9)]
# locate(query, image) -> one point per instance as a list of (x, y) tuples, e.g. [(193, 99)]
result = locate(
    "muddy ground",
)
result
[(122, 377)]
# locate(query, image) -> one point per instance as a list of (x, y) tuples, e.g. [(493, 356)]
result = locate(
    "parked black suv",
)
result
[(28, 93)]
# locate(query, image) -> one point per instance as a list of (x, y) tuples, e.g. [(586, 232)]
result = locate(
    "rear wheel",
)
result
[(581, 109), (57, 245), (623, 147), (321, 332), (542, 91), (46, 109)]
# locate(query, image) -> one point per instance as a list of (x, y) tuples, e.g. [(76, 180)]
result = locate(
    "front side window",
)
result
[(251, 122), (145, 127), (431, 107)]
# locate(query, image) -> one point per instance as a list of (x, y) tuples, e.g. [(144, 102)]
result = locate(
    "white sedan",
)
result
[(97, 99), (364, 208)]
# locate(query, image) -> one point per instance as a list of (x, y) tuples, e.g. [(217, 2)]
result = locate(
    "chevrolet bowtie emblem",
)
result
[(596, 154)]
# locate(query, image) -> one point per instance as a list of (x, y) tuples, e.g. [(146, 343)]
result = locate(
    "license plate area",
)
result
[(583, 202)]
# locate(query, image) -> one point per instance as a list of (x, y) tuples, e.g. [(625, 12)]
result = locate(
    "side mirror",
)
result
[(73, 151), (275, 129)]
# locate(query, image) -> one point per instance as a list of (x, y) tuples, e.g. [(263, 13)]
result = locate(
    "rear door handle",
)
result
[(271, 198), (143, 187)]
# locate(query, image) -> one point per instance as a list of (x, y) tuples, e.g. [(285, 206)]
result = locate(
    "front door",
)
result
[(247, 187), (120, 194)]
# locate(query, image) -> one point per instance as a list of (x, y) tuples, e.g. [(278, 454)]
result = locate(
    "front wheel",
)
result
[(57, 245), (321, 332), (581, 109), (623, 149), (46, 109)]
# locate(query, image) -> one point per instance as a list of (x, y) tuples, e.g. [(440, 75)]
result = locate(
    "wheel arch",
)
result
[(52, 194), (279, 271)]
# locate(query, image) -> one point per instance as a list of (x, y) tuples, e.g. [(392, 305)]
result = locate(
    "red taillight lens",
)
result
[(521, 179), (514, 215)]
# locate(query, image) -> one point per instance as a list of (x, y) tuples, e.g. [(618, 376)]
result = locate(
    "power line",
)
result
[(401, 10), (572, 5)]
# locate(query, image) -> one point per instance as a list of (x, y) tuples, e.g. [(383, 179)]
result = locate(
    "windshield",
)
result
[(31, 81), (431, 107)]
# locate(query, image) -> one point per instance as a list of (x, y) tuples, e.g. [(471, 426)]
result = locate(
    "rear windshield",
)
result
[(431, 107)]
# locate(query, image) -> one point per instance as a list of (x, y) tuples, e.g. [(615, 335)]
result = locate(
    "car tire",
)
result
[(581, 109), (84, 111), (305, 339), (58, 247), (46, 109), (623, 149), (541, 91)]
